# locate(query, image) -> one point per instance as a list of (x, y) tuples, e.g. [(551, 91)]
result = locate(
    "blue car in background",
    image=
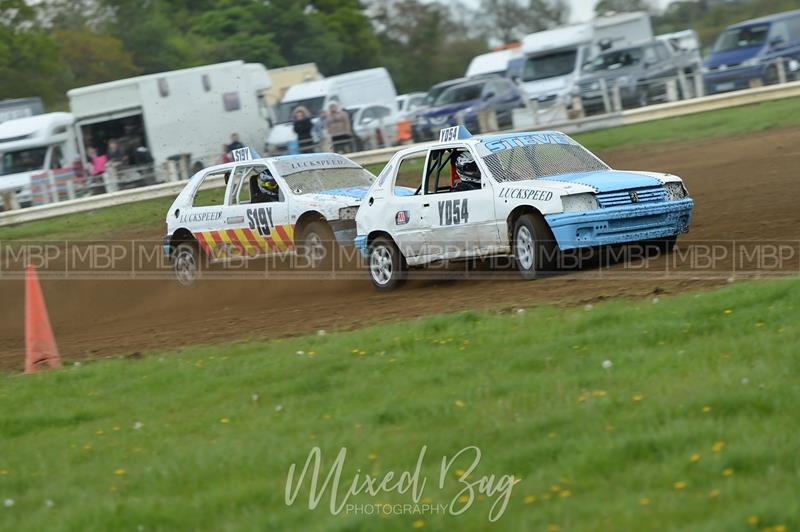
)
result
[(468, 99), (748, 53)]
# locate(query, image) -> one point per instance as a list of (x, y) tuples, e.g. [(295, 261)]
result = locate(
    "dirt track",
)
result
[(745, 189)]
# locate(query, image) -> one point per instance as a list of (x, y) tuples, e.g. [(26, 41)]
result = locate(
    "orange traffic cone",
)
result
[(40, 346)]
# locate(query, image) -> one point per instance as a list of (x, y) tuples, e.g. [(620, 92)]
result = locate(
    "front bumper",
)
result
[(617, 225), (732, 79)]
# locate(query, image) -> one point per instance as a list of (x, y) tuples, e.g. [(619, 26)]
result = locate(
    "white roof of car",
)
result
[(37, 125), (557, 38), (491, 62)]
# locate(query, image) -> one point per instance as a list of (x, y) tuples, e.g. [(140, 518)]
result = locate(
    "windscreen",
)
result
[(541, 160), (549, 65), (15, 162), (615, 60), (744, 37), (460, 94), (285, 110), (328, 179)]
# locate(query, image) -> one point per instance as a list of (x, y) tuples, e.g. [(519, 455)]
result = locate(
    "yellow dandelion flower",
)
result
[(679, 485), (372, 456), (529, 499), (582, 397), (119, 472), (326, 416), (599, 393), (354, 351), (779, 528), (459, 403), (427, 500), (419, 523), (116, 429), (3, 472), (224, 420), (728, 312), (552, 527), (459, 472), (100, 432), (555, 488), (113, 488), (753, 520), (463, 499), (727, 472), (718, 446), (312, 353), (644, 501), (694, 458), (609, 428), (565, 493), (551, 434), (713, 493), (637, 398), (88, 446), (706, 409)]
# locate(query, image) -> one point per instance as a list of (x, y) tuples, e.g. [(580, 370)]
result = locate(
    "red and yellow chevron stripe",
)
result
[(244, 242)]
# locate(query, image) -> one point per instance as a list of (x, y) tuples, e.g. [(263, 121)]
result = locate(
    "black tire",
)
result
[(665, 245), (533, 246), (386, 265), (771, 75), (186, 263), (317, 244)]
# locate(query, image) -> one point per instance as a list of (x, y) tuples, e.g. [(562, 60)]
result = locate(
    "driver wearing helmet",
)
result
[(469, 175), (267, 188)]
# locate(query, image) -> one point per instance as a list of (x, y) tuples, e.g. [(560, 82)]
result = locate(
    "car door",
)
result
[(409, 215), (204, 216), (462, 223), (254, 227)]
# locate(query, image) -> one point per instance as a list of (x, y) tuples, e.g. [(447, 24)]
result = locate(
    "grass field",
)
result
[(148, 216), (692, 427)]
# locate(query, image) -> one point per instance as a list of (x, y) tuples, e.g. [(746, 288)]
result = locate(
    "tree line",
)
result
[(50, 46)]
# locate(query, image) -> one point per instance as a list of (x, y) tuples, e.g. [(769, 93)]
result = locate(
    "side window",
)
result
[(56, 159), (236, 177), (780, 30), (441, 176), (367, 115), (213, 196), (661, 50), (650, 55), (794, 29), (490, 89), (409, 173), (247, 190), (382, 112)]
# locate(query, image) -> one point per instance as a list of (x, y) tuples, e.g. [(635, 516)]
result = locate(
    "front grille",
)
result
[(625, 197)]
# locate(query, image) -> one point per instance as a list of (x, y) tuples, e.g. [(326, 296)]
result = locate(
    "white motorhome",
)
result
[(372, 86), (492, 63), (34, 145), (185, 115), (552, 59)]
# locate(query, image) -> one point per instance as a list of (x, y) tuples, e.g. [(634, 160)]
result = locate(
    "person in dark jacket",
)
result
[(303, 128)]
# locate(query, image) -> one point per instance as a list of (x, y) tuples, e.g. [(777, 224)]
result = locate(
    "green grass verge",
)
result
[(148, 216), (694, 427)]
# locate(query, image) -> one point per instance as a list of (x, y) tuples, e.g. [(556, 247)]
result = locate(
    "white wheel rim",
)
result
[(524, 248), (316, 248), (380, 265), (185, 267)]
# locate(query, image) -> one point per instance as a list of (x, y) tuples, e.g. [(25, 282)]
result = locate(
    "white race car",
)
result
[(314, 207), (536, 193)]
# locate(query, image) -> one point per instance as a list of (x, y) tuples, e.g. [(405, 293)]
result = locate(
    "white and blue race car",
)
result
[(538, 193)]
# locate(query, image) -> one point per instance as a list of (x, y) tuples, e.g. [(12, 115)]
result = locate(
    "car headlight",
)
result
[(753, 61), (595, 85), (675, 191), (794, 65), (704, 69), (348, 213), (579, 202)]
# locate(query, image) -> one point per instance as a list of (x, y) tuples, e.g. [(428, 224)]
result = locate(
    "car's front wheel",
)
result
[(317, 245), (186, 262), (534, 248), (387, 267)]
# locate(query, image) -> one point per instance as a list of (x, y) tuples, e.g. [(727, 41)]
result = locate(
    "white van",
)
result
[(552, 60), (492, 63), (372, 86), (31, 146)]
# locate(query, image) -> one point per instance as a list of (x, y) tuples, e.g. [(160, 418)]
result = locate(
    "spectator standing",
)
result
[(98, 162), (225, 157), (321, 132), (302, 127), (338, 125), (115, 153), (235, 144)]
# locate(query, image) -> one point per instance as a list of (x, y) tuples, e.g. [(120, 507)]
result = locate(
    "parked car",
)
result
[(641, 72), (748, 53), (464, 102), (416, 116), (406, 103), (367, 120)]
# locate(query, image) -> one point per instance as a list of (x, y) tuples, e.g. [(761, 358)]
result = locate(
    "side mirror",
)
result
[(488, 96)]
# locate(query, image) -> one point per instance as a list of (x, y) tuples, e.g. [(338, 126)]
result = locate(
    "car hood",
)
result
[(732, 57), (18, 180), (608, 180)]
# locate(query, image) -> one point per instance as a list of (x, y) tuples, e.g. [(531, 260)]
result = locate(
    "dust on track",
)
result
[(745, 189)]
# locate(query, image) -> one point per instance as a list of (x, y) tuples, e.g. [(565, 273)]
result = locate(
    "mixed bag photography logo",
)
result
[(454, 488)]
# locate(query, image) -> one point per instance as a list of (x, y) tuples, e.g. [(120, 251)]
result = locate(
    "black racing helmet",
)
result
[(267, 184), (467, 168)]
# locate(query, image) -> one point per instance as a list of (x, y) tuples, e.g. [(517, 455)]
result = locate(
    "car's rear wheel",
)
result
[(186, 263), (318, 245), (387, 266), (533, 246)]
